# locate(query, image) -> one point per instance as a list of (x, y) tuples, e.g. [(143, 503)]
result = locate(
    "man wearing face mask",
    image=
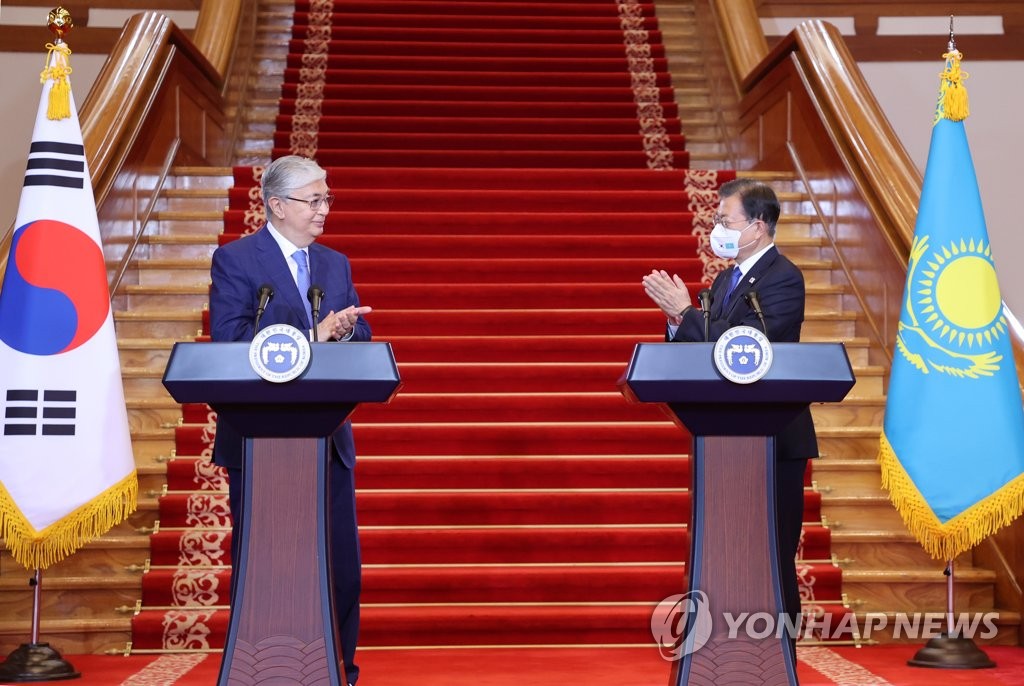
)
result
[(745, 231)]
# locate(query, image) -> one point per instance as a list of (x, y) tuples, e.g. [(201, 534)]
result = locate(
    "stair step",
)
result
[(881, 549), (109, 555), (910, 590), (70, 596), (848, 477), (861, 512), (162, 412), (856, 410), (73, 636)]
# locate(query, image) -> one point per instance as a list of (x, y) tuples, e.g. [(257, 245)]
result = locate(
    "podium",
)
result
[(282, 615), (733, 543)]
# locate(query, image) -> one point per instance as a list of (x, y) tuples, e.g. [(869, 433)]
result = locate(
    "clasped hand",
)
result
[(668, 292), (337, 325)]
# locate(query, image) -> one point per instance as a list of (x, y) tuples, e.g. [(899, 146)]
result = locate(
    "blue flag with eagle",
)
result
[(952, 448)]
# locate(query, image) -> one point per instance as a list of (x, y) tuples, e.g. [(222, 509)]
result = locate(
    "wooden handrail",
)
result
[(157, 101), (742, 38), (877, 158), (124, 92), (217, 23)]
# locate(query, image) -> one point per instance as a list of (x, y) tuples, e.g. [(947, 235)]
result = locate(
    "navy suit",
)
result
[(780, 289), (239, 269)]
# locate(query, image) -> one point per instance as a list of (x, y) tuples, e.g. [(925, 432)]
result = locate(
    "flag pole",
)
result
[(948, 650), (36, 582), (947, 506), (36, 661)]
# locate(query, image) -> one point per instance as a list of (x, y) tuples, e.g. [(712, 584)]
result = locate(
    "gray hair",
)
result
[(285, 174)]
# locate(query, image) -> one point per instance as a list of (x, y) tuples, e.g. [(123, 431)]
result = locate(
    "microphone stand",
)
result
[(315, 294), (755, 303), (266, 293), (705, 307)]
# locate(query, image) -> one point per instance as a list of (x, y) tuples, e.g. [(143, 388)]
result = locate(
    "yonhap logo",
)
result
[(743, 354), (279, 353), (681, 624)]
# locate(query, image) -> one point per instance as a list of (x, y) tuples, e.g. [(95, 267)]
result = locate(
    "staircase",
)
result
[(90, 599)]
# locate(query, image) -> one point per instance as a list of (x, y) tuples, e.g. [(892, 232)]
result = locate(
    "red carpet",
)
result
[(870, 666), (505, 172)]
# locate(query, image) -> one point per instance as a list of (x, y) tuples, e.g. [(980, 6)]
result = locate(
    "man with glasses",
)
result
[(744, 231), (284, 255)]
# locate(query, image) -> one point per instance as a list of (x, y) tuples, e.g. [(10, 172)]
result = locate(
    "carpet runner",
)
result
[(821, 666), (505, 172)]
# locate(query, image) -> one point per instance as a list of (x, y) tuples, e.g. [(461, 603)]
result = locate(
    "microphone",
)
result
[(315, 294), (755, 304), (705, 305), (266, 293)]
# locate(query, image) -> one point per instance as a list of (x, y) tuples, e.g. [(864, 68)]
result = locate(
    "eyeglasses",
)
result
[(315, 203), (719, 219)]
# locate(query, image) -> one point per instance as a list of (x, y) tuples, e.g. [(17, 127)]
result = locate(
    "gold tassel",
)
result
[(58, 68), (955, 105), (944, 541), (40, 549)]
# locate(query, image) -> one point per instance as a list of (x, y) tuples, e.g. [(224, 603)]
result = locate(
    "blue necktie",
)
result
[(302, 279), (736, 276)]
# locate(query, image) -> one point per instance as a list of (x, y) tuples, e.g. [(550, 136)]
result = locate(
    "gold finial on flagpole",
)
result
[(955, 105), (59, 21), (58, 66)]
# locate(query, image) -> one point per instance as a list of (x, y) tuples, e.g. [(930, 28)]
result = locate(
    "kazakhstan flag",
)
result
[(952, 449)]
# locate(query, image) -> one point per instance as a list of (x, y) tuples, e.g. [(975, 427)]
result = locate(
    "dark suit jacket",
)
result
[(239, 269), (780, 289)]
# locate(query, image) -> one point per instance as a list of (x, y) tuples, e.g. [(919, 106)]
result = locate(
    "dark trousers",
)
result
[(789, 515), (346, 562)]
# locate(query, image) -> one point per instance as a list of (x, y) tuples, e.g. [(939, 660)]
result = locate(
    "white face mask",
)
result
[(725, 242)]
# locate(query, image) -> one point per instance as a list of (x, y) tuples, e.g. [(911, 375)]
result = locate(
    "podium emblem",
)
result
[(279, 353), (743, 354)]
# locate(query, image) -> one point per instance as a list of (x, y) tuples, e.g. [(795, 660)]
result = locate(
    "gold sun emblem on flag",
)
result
[(953, 313)]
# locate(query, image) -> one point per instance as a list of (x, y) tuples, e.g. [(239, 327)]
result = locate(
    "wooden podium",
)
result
[(733, 543), (282, 616)]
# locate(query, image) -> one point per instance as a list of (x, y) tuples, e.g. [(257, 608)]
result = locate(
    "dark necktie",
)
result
[(736, 276)]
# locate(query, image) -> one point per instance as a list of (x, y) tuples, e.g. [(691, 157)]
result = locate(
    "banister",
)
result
[(157, 101), (126, 88), (217, 22), (881, 159), (742, 39)]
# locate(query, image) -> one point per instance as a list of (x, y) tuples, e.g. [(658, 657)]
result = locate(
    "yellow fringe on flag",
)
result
[(959, 534), (58, 68), (955, 105), (40, 549)]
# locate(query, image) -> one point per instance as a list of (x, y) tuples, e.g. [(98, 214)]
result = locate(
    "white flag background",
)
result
[(67, 474)]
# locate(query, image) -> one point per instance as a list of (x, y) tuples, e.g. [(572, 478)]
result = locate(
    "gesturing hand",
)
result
[(669, 293), (337, 325)]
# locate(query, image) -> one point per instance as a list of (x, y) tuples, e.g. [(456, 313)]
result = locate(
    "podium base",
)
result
[(944, 652)]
